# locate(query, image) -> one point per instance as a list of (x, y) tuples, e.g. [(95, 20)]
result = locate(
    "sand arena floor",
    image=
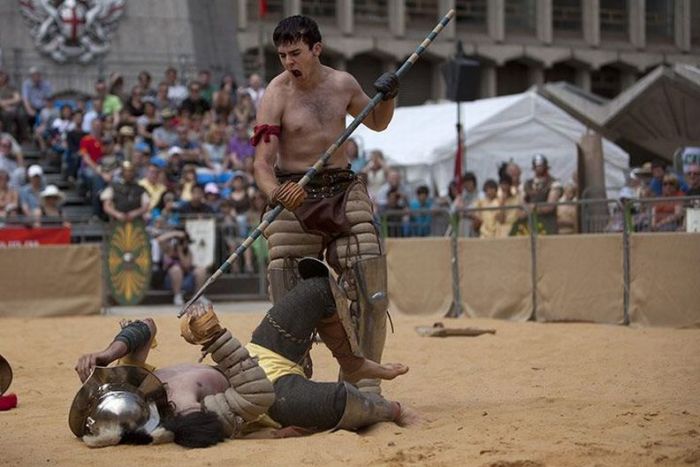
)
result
[(531, 395)]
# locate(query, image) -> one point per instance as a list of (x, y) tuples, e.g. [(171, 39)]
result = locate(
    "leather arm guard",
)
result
[(134, 334), (251, 394)]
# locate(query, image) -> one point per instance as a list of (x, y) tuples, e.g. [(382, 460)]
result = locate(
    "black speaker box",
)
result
[(461, 79)]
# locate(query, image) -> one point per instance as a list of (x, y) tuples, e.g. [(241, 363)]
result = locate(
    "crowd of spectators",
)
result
[(166, 150), (161, 151)]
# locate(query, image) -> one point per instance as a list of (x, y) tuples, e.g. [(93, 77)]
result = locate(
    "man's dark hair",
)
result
[(469, 176), (295, 28), (195, 429), (422, 190), (490, 183)]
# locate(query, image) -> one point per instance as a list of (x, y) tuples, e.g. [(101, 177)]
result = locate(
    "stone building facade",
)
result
[(603, 46)]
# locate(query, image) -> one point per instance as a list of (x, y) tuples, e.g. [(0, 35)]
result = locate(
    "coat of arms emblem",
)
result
[(72, 30)]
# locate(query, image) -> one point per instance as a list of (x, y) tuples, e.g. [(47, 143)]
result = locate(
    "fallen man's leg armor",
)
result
[(251, 394), (363, 409)]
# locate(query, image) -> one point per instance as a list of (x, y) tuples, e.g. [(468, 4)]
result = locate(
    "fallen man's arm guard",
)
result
[(250, 394)]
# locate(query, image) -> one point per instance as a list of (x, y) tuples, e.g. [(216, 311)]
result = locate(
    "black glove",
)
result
[(388, 83)]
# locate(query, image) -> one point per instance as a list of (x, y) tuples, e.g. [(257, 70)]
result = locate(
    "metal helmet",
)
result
[(539, 159), (118, 399), (5, 375)]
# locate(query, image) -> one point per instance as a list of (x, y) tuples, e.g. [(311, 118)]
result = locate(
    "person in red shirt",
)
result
[(91, 173)]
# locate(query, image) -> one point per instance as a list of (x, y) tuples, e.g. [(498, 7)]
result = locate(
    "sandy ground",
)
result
[(531, 395)]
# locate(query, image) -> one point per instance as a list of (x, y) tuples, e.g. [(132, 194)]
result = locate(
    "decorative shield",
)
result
[(5, 375), (128, 262)]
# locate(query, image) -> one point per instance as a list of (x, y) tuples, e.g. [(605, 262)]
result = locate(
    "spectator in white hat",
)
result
[(50, 212), (30, 194)]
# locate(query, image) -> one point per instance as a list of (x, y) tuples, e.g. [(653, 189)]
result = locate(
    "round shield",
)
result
[(128, 262), (5, 375)]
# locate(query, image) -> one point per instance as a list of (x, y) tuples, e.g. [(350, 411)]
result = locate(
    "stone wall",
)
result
[(152, 35)]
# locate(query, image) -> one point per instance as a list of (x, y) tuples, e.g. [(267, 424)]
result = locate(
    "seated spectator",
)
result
[(352, 151), (191, 151), (71, 154), (376, 170), (466, 200), (165, 135), (11, 116), (224, 101), (195, 103), (135, 105), (667, 216), (144, 80), (187, 182), (172, 168), (36, 92), (30, 194), (111, 103), (567, 214), (176, 91), (43, 121), (93, 113), (486, 222), (239, 148), (169, 213), (162, 101), (51, 212), (692, 174), (241, 201), (125, 200), (421, 223), (9, 198), (214, 149), (204, 80), (12, 162), (148, 122), (212, 196), (182, 275), (507, 199), (395, 216), (244, 112), (196, 206), (153, 185), (393, 183), (256, 89), (140, 159), (92, 174)]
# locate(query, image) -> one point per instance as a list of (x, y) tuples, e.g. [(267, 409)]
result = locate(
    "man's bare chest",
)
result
[(304, 113)]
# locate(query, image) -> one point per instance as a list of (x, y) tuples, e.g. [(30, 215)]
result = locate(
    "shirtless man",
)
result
[(301, 114), (260, 384)]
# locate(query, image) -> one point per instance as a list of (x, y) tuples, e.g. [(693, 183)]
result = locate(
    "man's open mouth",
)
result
[(296, 73)]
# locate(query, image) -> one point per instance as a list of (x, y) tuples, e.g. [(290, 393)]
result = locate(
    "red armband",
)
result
[(263, 132)]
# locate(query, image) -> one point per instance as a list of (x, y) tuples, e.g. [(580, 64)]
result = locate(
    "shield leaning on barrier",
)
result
[(128, 264), (5, 375)]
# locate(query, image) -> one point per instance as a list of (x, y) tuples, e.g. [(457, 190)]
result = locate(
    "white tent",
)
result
[(422, 139)]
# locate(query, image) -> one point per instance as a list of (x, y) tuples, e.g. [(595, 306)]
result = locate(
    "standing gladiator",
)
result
[(301, 114)]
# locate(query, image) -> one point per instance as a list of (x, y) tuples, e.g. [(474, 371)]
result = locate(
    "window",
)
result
[(614, 19), (421, 11), (471, 13), (659, 20), (318, 8), (520, 16), (566, 17), (371, 11)]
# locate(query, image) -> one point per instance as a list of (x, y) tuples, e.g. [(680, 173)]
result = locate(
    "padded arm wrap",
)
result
[(250, 394), (134, 334)]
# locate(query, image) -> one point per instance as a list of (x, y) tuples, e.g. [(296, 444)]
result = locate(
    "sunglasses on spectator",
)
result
[(669, 184), (693, 173)]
